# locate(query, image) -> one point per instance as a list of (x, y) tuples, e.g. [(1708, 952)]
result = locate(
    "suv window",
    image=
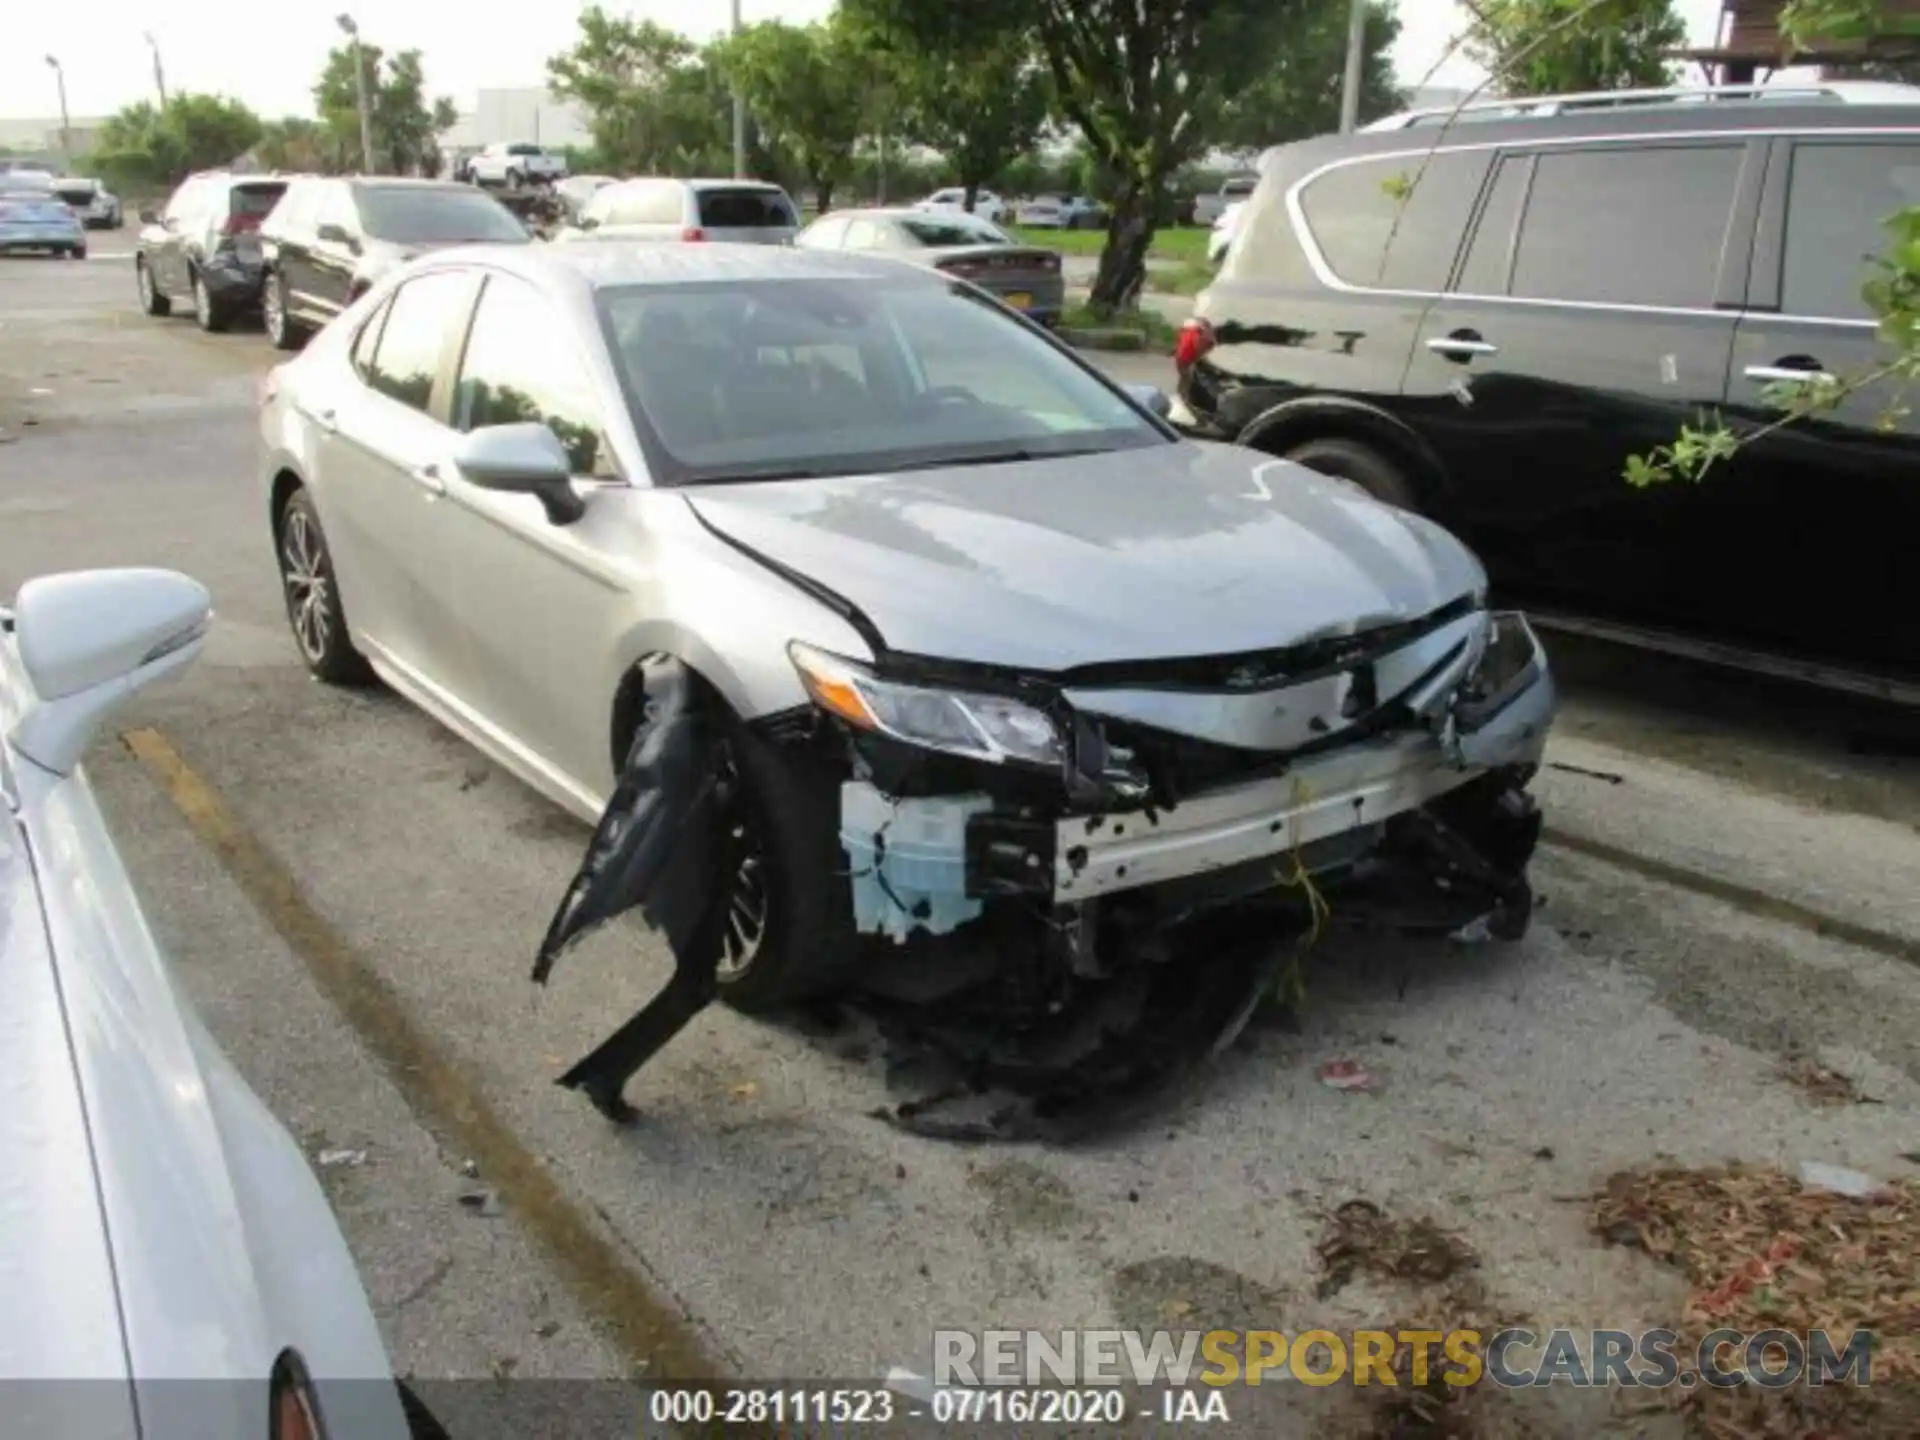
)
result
[(420, 316), (1838, 198), (524, 150), (745, 210), (255, 199), (1374, 232), (520, 365), (1491, 251), (1640, 226)]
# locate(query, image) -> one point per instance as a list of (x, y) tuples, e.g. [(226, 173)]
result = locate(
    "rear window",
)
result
[(1375, 231), (744, 209), (946, 230), (416, 215), (77, 189), (1238, 189), (255, 200)]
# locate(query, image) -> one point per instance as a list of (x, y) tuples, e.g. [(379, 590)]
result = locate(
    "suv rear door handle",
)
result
[(1461, 347), (1788, 374), (327, 420), (429, 479)]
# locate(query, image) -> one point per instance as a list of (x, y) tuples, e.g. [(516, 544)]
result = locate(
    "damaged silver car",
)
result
[(890, 644)]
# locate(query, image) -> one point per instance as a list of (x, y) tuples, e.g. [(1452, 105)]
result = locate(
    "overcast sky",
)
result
[(268, 54)]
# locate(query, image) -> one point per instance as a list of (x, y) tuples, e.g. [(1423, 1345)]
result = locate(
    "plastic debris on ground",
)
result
[(1346, 1075)]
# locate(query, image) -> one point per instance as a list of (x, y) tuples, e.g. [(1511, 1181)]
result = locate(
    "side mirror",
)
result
[(337, 235), (149, 215), (88, 640), (1153, 398), (522, 459)]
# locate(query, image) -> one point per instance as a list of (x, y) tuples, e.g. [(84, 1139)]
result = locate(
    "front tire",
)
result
[(515, 179), (312, 592), (151, 300), (1360, 463)]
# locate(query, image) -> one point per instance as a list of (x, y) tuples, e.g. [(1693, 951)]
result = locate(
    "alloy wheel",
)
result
[(202, 302), (303, 566), (276, 311), (143, 277)]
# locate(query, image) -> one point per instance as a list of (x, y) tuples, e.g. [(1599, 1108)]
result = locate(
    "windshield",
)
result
[(416, 215), (952, 230), (746, 380)]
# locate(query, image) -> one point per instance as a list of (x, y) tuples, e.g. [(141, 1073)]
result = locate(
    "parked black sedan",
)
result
[(329, 239), (204, 247)]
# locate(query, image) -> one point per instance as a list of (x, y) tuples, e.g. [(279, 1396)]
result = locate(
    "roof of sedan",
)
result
[(604, 264)]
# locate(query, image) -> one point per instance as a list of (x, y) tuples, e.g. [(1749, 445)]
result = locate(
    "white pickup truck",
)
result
[(514, 165)]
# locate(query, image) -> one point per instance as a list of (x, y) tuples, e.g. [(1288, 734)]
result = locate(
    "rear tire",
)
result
[(312, 591), (151, 300), (283, 331), (1360, 463), (211, 315)]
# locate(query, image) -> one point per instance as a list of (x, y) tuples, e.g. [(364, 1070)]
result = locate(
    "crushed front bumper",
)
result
[(931, 863)]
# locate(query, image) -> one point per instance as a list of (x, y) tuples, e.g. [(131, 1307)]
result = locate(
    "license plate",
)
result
[(1020, 302)]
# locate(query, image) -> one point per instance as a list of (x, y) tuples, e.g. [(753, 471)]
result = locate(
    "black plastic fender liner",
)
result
[(662, 844)]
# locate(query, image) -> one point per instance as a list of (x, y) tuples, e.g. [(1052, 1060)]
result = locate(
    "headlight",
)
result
[(982, 727), (1510, 663)]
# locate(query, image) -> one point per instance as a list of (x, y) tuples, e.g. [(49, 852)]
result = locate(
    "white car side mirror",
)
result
[(90, 639)]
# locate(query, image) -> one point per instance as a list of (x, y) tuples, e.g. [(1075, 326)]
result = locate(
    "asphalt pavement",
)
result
[(359, 923)]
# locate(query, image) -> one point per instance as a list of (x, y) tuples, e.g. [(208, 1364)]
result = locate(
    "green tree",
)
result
[(1299, 96), (811, 90), (1148, 83), (145, 147), (1616, 44), (405, 124), (656, 102), (982, 103), (296, 143)]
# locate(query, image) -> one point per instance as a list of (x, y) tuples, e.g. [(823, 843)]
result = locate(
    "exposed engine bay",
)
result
[(1075, 886)]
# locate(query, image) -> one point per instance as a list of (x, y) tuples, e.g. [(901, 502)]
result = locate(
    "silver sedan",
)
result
[(963, 640), (1026, 278)]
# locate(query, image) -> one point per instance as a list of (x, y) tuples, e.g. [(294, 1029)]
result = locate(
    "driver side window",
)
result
[(521, 364)]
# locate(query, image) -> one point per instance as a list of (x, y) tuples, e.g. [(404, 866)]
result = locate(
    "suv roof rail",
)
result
[(1529, 107)]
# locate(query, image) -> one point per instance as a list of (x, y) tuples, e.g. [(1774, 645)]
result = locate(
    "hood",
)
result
[(1175, 550), (59, 1308)]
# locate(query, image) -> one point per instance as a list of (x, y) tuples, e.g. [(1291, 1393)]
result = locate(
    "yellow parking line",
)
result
[(648, 1326)]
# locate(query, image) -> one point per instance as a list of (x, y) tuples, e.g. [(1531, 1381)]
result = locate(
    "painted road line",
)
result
[(649, 1327)]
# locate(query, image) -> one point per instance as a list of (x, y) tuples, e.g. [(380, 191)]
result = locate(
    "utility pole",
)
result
[(66, 139), (159, 75), (1356, 63), (739, 115), (345, 22)]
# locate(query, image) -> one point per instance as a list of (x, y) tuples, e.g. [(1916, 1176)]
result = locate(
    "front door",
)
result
[(334, 255), (383, 479), (1582, 328), (542, 604), (1820, 514), (186, 214)]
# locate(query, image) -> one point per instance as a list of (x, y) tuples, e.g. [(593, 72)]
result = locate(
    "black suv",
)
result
[(328, 240), (1560, 291), (204, 247)]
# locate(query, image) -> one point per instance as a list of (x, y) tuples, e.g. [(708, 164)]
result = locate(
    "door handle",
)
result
[(1788, 374), (429, 479), (327, 420), (1461, 347)]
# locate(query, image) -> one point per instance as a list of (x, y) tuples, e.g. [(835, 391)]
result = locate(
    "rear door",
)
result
[(382, 477), (286, 240), (335, 255), (1590, 319), (186, 211), (747, 215), (1822, 512)]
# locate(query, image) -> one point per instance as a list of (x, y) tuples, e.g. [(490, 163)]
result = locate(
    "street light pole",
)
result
[(352, 30), (739, 115), (66, 140), (1356, 59), (159, 75)]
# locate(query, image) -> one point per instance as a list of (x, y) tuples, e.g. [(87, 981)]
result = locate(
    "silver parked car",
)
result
[(173, 1270), (881, 632), (747, 212), (1025, 277)]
